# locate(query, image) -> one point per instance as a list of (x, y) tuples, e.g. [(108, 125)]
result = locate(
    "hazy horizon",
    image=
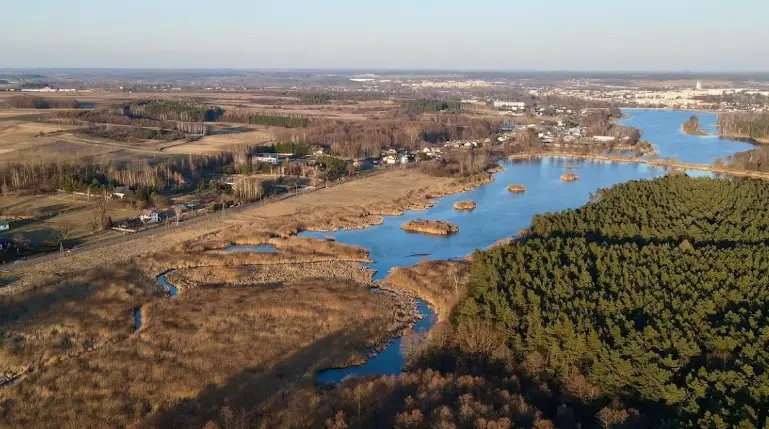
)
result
[(494, 35)]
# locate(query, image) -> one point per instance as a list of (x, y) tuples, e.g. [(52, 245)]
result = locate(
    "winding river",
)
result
[(501, 214)]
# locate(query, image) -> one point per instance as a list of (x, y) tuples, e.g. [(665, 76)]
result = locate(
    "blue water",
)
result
[(169, 287), (264, 248), (137, 318), (498, 214), (501, 214), (663, 129), (387, 362)]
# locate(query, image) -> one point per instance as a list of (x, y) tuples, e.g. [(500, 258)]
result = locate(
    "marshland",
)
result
[(432, 227), (256, 328)]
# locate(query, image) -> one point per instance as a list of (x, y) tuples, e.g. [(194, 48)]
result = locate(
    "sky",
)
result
[(617, 35)]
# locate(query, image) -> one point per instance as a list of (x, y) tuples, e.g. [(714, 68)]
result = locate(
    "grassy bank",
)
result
[(693, 131), (744, 137), (441, 283)]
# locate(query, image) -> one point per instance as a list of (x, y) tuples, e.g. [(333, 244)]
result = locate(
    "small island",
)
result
[(569, 177), (432, 227), (465, 205), (693, 127), (516, 189)]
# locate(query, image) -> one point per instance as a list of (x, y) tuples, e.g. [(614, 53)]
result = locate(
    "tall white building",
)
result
[(699, 86)]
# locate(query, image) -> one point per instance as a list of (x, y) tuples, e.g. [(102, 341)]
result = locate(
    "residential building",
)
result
[(119, 192), (4, 225), (604, 139), (269, 158), (149, 216), (513, 105)]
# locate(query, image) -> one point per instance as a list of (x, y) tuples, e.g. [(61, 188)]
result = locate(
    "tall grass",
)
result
[(206, 348), (441, 283)]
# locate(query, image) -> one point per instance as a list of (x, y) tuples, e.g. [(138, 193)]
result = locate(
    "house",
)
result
[(513, 105), (149, 216), (404, 159), (319, 150), (4, 225), (389, 160), (604, 139), (120, 192), (269, 158)]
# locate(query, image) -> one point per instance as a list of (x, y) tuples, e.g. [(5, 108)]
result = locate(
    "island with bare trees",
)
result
[(693, 127), (431, 227)]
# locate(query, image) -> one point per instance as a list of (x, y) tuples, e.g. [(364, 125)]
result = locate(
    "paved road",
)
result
[(183, 224)]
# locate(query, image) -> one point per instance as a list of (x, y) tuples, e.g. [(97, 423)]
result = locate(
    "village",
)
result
[(134, 209)]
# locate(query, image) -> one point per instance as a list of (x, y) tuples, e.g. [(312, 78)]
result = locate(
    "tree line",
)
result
[(170, 110), (35, 102), (356, 139), (314, 98), (745, 124), (78, 175), (431, 106), (103, 123), (654, 295), (128, 134)]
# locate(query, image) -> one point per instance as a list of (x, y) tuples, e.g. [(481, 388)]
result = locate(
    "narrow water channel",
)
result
[(262, 248), (500, 214), (169, 287)]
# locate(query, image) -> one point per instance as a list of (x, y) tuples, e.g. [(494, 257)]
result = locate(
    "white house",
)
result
[(389, 160), (270, 158), (4, 225), (120, 192), (604, 139), (514, 105), (149, 216)]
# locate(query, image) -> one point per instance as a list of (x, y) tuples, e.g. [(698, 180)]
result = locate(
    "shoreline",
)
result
[(711, 112), (656, 163), (744, 138), (693, 133)]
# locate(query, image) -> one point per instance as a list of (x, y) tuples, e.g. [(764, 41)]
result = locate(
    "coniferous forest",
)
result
[(654, 295)]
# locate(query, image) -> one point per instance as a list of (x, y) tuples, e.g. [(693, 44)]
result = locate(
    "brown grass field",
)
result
[(277, 319), (36, 217), (19, 139), (215, 142), (191, 357)]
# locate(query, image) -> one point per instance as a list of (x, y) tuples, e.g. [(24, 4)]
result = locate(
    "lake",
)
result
[(663, 129), (501, 214)]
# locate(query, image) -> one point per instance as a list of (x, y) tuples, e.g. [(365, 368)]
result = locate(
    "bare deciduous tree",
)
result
[(98, 219), (63, 230)]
